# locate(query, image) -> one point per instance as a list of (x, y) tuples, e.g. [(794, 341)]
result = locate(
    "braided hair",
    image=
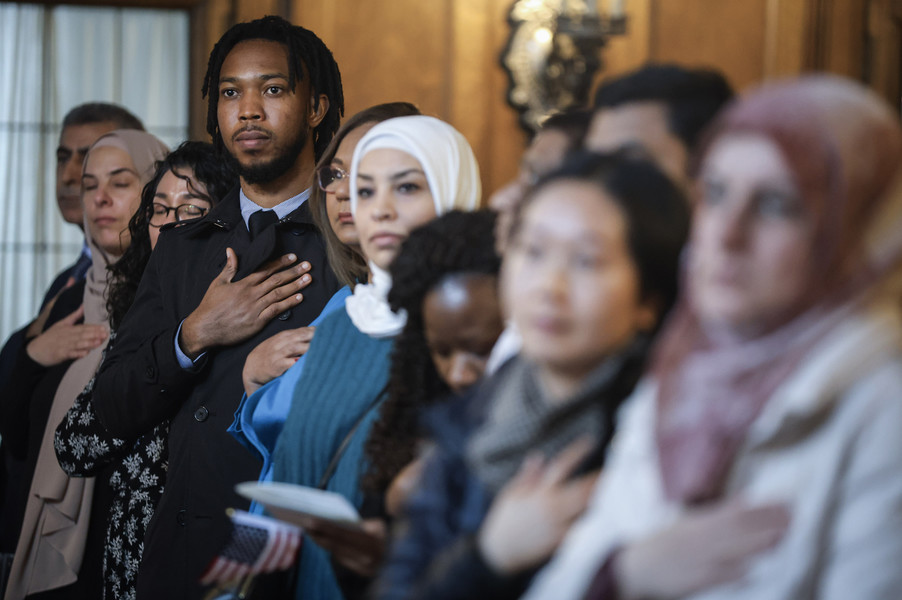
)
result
[(306, 54), (456, 243), (216, 176)]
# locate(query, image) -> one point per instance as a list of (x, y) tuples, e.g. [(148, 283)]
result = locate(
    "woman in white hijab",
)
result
[(405, 172)]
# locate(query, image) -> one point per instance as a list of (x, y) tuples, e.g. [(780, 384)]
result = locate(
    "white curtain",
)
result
[(53, 58)]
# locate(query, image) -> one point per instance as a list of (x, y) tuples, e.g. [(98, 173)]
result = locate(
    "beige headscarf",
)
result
[(843, 145), (57, 514)]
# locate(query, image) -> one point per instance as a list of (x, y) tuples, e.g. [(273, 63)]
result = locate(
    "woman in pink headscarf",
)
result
[(762, 457)]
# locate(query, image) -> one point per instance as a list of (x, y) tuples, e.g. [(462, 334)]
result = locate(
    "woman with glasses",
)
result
[(273, 368), (330, 201), (187, 183)]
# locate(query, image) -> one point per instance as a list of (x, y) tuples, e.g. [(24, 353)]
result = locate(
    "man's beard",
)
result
[(274, 168)]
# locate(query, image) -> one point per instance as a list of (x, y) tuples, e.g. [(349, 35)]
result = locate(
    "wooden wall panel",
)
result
[(478, 106), (787, 39), (443, 55), (248, 11), (885, 44), (841, 45), (386, 50), (727, 34), (631, 50)]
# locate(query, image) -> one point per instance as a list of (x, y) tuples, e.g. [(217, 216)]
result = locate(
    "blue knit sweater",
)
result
[(261, 416), (345, 371)]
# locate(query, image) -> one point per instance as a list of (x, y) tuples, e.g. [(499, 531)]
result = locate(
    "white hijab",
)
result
[(453, 177)]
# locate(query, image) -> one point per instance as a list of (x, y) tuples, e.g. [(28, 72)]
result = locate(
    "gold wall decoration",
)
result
[(553, 54)]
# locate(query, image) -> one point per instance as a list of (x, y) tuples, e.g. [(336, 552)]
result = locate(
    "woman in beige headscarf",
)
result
[(51, 547), (762, 457)]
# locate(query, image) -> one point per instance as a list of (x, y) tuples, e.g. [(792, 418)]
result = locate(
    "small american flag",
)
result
[(258, 545)]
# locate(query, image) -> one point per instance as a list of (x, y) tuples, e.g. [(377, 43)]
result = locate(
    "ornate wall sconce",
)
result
[(553, 54)]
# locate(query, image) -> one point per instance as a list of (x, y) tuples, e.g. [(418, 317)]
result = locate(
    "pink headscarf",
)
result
[(843, 146)]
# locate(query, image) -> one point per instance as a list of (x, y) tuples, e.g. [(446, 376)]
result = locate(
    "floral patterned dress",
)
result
[(84, 448)]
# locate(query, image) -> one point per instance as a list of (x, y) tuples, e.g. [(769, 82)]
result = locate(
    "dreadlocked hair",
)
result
[(211, 172), (306, 53), (457, 243)]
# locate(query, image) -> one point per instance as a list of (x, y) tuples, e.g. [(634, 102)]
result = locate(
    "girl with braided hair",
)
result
[(446, 280)]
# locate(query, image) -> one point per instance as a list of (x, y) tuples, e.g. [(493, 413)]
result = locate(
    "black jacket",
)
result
[(25, 404), (141, 383)]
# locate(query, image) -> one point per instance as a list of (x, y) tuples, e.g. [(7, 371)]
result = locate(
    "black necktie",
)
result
[(260, 220)]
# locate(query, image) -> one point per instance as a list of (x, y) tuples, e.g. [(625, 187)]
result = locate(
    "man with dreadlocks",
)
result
[(218, 286)]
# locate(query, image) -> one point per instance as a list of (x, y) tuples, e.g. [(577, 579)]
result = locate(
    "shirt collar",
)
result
[(283, 209)]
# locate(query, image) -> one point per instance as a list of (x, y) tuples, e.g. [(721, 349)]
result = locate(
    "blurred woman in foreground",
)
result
[(761, 458), (590, 270)]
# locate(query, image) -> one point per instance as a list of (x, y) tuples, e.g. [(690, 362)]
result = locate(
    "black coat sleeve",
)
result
[(14, 406), (8, 357), (141, 382), (431, 556), (460, 572), (24, 374)]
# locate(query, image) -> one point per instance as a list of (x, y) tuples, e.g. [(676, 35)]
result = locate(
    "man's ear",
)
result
[(317, 110)]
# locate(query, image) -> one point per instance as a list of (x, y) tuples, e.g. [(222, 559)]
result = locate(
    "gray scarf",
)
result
[(522, 419)]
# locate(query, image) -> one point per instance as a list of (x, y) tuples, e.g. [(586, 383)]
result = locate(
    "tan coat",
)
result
[(828, 444)]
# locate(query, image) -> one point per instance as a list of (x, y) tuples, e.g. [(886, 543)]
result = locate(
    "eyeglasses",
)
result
[(328, 176), (158, 214)]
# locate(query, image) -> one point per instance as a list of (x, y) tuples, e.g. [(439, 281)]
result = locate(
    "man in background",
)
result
[(658, 112)]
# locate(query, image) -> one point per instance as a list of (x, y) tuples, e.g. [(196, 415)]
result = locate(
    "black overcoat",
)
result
[(141, 383)]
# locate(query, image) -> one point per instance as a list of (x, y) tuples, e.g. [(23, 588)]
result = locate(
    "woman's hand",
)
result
[(64, 340), (360, 550), (274, 356), (533, 512), (245, 306), (708, 547), (402, 487)]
